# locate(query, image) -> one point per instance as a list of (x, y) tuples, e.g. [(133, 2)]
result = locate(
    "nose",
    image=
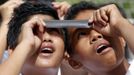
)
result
[(47, 37), (95, 36)]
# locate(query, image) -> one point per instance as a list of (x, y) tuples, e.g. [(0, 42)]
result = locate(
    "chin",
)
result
[(110, 64), (45, 64)]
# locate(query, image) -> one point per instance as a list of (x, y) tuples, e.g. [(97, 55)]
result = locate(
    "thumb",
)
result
[(90, 21)]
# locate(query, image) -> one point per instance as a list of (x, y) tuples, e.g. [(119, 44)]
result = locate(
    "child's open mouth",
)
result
[(102, 48), (47, 50)]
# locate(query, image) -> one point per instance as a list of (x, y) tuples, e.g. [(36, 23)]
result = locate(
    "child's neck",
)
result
[(33, 71), (120, 70)]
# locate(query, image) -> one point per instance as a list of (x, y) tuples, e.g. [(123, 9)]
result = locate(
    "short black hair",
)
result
[(42, 1), (22, 14), (78, 7), (3, 1), (73, 11)]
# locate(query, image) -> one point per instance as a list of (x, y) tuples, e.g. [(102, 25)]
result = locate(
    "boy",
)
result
[(100, 49), (33, 48), (59, 7), (6, 11)]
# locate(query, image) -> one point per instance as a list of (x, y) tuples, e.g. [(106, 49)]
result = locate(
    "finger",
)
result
[(58, 11), (56, 5), (33, 24), (103, 15), (37, 43), (95, 19), (44, 25), (99, 18), (62, 11), (39, 28), (90, 21), (65, 6), (40, 24), (37, 22), (97, 28)]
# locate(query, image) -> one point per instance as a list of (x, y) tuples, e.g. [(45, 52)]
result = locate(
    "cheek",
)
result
[(59, 42), (59, 46), (83, 48)]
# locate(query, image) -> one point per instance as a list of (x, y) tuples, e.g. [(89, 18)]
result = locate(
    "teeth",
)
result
[(100, 47), (47, 49)]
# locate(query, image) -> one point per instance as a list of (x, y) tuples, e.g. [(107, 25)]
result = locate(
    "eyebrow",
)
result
[(59, 30), (76, 30)]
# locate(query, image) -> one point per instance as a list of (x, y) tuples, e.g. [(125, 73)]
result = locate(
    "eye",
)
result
[(82, 34), (54, 31)]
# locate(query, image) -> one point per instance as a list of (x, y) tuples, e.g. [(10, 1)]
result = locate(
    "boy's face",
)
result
[(51, 51), (94, 50)]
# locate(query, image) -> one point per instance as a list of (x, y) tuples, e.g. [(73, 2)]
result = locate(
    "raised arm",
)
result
[(28, 44), (108, 20), (6, 11), (62, 8)]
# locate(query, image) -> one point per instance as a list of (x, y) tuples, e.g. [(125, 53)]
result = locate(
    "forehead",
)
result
[(42, 16), (82, 15)]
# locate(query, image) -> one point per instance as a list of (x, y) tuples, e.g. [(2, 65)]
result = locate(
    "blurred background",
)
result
[(128, 5)]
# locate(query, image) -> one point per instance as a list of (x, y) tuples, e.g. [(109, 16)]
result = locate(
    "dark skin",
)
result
[(111, 60)]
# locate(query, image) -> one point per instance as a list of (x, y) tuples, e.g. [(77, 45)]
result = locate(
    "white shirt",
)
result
[(5, 56), (131, 69), (59, 72)]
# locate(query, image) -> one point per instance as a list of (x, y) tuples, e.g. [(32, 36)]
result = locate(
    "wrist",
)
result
[(121, 25), (6, 20), (27, 48), (3, 29), (28, 44)]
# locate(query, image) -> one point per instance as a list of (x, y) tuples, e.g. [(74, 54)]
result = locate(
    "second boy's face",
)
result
[(51, 51), (94, 50)]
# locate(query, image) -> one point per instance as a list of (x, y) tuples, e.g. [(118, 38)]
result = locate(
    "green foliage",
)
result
[(132, 14), (128, 5)]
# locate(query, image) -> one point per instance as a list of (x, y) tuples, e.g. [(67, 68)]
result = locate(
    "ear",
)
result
[(123, 42), (66, 55), (75, 64)]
